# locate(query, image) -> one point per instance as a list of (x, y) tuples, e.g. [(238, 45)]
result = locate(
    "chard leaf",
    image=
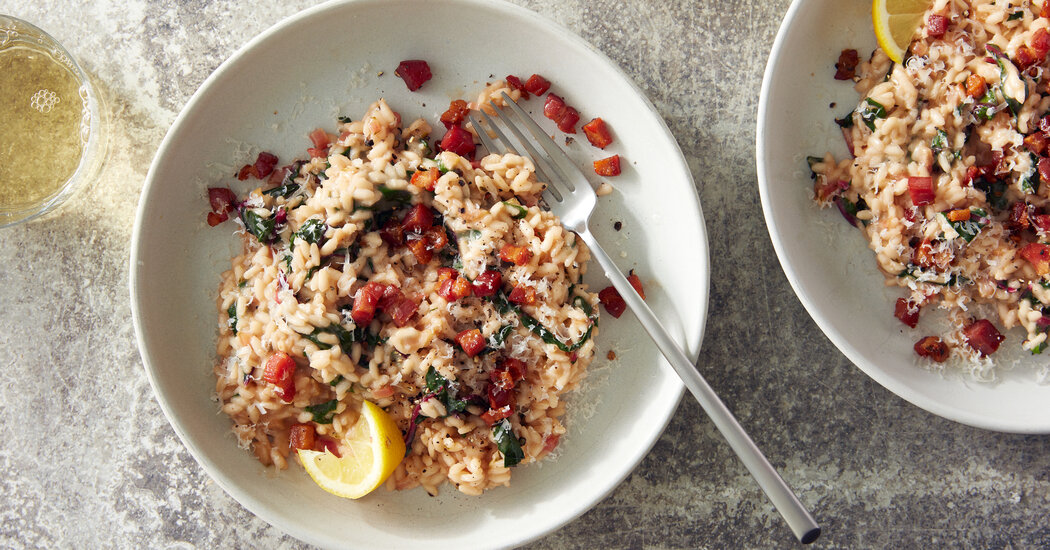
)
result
[(994, 191), (231, 312), (913, 271), (582, 303), (500, 336), (1030, 179), (262, 228), (323, 412), (288, 185), (400, 196), (503, 305), (871, 111), (285, 190), (519, 210), (311, 231), (1012, 85), (968, 229), (507, 443), (445, 391), (346, 337), (940, 142), (986, 107)]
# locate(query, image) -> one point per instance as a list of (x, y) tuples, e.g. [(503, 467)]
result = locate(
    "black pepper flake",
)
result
[(569, 141), (618, 225), (832, 105)]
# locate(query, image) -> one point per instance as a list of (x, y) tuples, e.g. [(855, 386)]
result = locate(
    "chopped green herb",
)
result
[(1038, 349), (323, 412), (441, 166), (242, 283), (519, 210), (1015, 15), (871, 111), (335, 381), (507, 443), (846, 121)]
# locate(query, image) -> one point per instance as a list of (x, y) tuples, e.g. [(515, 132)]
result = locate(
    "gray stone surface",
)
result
[(88, 460)]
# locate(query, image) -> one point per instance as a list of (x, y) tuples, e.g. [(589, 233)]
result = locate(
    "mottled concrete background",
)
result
[(88, 460)]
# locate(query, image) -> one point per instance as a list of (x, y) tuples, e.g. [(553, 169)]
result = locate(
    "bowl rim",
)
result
[(693, 341), (908, 393)]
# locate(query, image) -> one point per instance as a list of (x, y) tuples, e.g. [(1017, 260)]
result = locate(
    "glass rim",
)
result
[(14, 29)]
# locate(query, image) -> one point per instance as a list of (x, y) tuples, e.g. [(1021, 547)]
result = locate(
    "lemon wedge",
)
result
[(371, 451), (895, 24)]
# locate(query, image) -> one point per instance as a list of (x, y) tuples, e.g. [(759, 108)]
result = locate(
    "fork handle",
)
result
[(798, 518)]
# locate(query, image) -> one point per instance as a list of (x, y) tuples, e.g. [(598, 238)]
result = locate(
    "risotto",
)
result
[(948, 176), (431, 285)]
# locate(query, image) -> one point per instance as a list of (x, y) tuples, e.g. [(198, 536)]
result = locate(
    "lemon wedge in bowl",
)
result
[(371, 451), (895, 24)]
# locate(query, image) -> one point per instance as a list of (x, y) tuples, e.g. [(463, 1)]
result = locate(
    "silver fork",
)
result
[(570, 197)]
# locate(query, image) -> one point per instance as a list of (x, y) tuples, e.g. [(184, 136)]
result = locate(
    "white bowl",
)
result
[(828, 263), (325, 62)]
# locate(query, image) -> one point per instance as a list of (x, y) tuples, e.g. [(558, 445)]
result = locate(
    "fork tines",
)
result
[(555, 163)]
